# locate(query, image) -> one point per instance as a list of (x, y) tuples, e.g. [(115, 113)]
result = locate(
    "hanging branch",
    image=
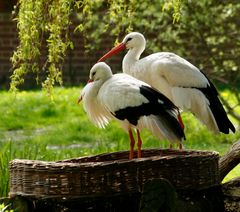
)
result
[(30, 23), (39, 22), (44, 23)]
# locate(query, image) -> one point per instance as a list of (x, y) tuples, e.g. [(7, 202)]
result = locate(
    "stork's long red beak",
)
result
[(113, 51), (79, 99)]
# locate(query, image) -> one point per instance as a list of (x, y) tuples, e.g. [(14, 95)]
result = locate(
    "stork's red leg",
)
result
[(132, 143), (139, 144), (180, 146), (180, 120)]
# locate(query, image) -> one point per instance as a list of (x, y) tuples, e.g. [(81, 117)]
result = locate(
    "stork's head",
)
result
[(100, 71), (133, 40)]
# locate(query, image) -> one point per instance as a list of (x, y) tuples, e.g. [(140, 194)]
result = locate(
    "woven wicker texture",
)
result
[(113, 173)]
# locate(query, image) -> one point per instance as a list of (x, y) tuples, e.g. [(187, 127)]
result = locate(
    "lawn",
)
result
[(33, 126)]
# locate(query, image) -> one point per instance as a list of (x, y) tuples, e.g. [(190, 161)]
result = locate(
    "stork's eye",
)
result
[(129, 39), (93, 74)]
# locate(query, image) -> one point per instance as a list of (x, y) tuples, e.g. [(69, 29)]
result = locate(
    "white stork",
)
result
[(133, 103), (183, 83)]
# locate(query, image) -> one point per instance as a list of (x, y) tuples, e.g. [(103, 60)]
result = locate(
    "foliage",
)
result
[(45, 24), (32, 127), (120, 17), (40, 23)]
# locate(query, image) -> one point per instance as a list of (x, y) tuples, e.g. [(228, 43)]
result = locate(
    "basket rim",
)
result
[(74, 162), (190, 153)]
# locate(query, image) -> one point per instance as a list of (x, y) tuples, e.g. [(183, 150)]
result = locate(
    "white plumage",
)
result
[(132, 102), (183, 83), (97, 113)]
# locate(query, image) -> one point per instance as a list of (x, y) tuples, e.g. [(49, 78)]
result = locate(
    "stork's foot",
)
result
[(139, 153), (180, 146), (130, 155)]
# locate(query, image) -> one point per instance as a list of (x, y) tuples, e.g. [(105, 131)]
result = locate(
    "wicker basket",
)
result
[(113, 173)]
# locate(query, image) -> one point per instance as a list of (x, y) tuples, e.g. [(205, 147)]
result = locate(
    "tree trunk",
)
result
[(231, 192)]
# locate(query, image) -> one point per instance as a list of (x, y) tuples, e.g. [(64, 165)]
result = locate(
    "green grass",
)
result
[(32, 126)]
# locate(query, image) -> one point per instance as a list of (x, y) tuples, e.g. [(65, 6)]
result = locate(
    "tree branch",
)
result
[(229, 160)]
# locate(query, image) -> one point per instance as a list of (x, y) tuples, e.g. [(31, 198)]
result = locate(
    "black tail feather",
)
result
[(220, 115), (172, 123)]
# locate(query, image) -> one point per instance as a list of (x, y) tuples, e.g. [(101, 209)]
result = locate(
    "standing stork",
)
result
[(183, 83), (133, 103)]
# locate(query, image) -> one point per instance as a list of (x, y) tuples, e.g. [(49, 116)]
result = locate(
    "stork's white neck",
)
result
[(96, 87), (131, 58)]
